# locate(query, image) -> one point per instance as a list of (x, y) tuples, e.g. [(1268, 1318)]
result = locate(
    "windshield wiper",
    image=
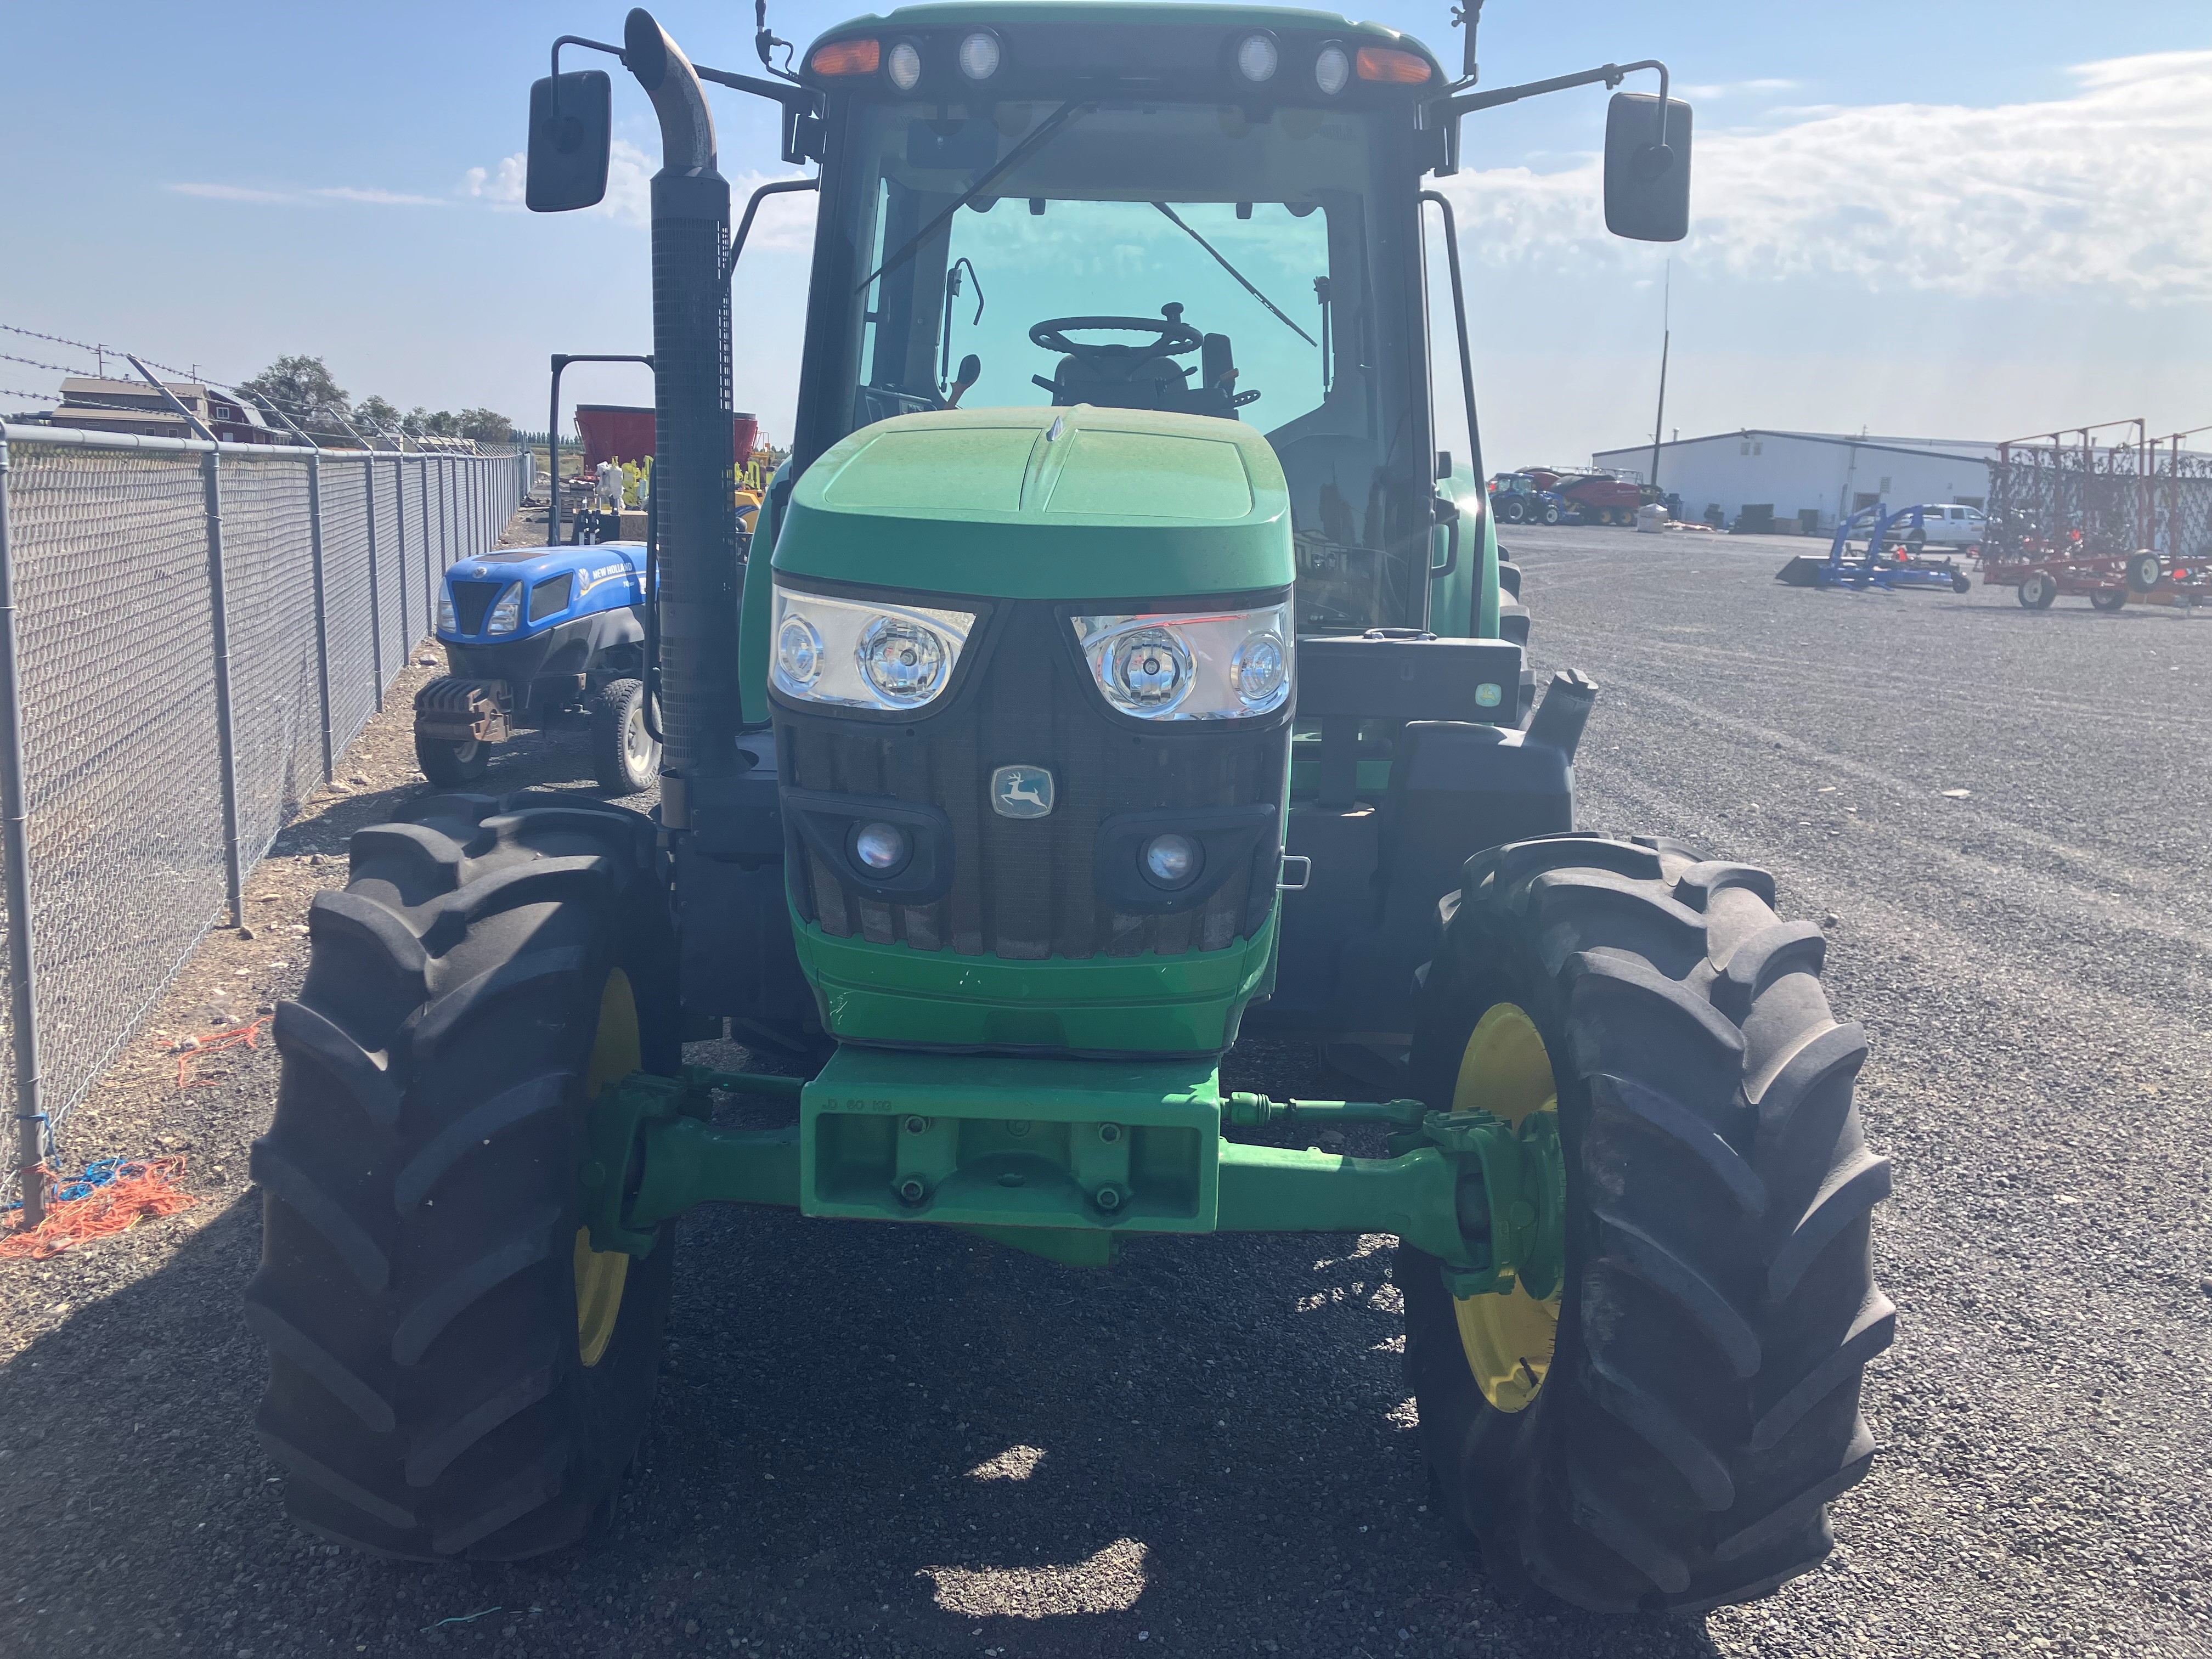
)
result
[(1237, 274), (1020, 153)]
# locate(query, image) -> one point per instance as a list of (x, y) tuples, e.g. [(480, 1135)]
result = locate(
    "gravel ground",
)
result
[(897, 1441)]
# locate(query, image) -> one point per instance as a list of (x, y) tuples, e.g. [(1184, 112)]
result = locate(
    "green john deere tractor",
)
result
[(1118, 666)]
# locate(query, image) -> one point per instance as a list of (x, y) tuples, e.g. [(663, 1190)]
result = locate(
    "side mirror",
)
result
[(571, 134), (1647, 183), (971, 370)]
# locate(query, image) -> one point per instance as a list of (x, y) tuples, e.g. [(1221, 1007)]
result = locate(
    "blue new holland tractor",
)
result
[(537, 637)]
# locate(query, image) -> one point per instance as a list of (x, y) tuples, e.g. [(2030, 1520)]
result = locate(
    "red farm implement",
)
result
[(2108, 522)]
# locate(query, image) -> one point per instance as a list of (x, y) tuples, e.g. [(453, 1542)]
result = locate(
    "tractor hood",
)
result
[(1080, 503)]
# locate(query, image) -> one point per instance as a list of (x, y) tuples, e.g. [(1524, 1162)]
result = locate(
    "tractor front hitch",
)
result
[(1068, 1171)]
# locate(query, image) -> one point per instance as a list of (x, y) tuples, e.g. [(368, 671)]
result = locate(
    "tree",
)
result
[(373, 413), (486, 426), (303, 389)]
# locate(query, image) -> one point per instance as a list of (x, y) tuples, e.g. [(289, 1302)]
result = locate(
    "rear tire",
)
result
[(452, 765), (1961, 583), (1513, 511), (625, 759), (1513, 621), (2109, 598), (424, 1291), (2037, 589), (1697, 1404)]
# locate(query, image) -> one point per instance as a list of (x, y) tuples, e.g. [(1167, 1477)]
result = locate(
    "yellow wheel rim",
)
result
[(1508, 1337), (601, 1274)]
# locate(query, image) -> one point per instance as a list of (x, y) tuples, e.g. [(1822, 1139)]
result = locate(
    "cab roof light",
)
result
[(859, 58), (980, 55), (1401, 69), (1258, 57)]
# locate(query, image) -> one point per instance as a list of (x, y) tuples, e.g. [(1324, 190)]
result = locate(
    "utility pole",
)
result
[(1665, 339)]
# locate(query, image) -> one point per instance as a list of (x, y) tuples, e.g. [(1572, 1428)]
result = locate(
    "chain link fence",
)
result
[(191, 635)]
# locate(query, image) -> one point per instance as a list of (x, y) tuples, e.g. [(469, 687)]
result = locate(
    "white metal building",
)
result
[(1809, 479)]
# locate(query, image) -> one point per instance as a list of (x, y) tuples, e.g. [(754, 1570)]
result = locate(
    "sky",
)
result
[(1963, 220)]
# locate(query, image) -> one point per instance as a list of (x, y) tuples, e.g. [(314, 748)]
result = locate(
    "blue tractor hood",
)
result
[(558, 585)]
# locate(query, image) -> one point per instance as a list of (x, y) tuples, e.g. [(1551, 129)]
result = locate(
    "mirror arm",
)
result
[(774, 187), (1442, 204), (1612, 74), (804, 99), (579, 40)]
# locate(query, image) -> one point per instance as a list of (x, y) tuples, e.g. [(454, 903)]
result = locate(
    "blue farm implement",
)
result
[(537, 636), (1891, 557)]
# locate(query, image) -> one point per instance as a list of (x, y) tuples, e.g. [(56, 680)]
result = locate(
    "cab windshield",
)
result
[(1208, 260)]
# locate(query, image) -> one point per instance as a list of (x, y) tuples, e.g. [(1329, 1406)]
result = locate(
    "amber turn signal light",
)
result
[(846, 57)]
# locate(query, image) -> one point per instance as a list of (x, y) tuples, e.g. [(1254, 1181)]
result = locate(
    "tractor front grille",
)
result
[(1025, 889), (470, 601)]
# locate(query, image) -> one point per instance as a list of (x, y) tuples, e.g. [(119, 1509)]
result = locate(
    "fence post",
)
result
[(375, 599), (234, 873), (15, 827), (322, 615), (399, 518), (429, 598)]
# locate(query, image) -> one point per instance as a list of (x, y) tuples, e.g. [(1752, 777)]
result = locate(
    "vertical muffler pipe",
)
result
[(693, 466)]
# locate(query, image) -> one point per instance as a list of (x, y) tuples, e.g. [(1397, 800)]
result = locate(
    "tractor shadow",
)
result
[(868, 1438)]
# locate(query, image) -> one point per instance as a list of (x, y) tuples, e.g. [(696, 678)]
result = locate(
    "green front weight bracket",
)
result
[(1064, 1161)]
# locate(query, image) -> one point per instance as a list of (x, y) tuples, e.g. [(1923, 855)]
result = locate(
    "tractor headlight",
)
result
[(506, 615), (1209, 665), (447, 622), (864, 654)]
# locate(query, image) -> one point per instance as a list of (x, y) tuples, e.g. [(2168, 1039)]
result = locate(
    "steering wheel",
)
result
[(1170, 338)]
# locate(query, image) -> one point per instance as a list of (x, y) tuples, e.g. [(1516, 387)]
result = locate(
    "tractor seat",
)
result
[(1122, 377)]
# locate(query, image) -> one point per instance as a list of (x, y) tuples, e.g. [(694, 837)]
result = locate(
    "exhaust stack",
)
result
[(693, 468)]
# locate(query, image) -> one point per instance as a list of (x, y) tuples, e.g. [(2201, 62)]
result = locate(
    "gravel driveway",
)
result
[(880, 1442)]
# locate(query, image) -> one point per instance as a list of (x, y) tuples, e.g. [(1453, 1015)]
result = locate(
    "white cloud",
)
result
[(373, 198), (232, 193), (2109, 189), (786, 222), (1730, 88), (629, 184), (377, 198)]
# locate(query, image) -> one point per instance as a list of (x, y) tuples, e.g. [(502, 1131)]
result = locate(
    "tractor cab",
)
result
[(1116, 207)]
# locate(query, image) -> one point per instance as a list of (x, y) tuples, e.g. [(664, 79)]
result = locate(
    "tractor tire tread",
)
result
[(425, 1391), (1701, 1409)]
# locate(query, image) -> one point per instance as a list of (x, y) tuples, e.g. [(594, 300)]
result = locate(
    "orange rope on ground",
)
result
[(248, 1035), (142, 1187)]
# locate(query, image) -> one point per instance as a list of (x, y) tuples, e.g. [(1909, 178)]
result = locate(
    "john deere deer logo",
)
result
[(1021, 792)]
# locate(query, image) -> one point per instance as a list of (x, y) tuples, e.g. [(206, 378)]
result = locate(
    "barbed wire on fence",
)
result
[(113, 550)]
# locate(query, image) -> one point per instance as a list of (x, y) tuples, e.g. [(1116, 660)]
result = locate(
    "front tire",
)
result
[(452, 1372), (2037, 589), (1666, 1433), (451, 765), (2109, 598), (625, 759)]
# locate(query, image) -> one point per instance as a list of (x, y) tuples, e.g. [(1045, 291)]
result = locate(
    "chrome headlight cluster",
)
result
[(862, 655), (1211, 665), (506, 614)]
